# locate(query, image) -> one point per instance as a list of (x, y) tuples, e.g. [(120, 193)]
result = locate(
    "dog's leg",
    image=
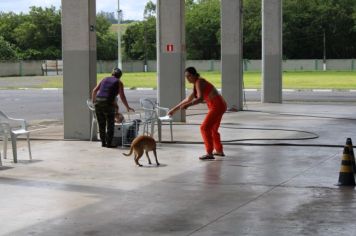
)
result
[(138, 156), (154, 153), (136, 160), (149, 160)]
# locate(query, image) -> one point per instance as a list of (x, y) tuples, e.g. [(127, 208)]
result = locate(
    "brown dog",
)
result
[(139, 145)]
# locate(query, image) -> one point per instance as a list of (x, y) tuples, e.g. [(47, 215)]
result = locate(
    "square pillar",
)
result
[(79, 65), (271, 51), (231, 53), (171, 54)]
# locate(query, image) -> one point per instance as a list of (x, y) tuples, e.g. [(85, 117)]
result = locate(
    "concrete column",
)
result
[(79, 65), (171, 54), (271, 51), (231, 53)]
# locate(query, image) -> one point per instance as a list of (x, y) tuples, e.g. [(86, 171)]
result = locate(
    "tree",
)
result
[(202, 34), (36, 35), (338, 24), (150, 45), (102, 24), (149, 24), (306, 21), (189, 3), (131, 50), (150, 10), (110, 16), (203, 30), (252, 44), (7, 52), (303, 29), (106, 46), (135, 46), (9, 22), (140, 38), (106, 41)]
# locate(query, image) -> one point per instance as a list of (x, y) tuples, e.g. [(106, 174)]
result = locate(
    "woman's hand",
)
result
[(170, 112), (184, 106), (130, 109)]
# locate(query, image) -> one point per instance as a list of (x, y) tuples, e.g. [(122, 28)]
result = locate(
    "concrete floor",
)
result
[(282, 185)]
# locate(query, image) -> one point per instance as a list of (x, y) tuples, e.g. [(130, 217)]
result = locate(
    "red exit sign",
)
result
[(169, 47)]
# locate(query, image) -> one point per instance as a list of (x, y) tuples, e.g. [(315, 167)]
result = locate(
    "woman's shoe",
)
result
[(220, 154), (207, 157)]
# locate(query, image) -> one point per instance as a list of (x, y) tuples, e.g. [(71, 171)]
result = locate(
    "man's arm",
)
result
[(94, 92), (123, 97)]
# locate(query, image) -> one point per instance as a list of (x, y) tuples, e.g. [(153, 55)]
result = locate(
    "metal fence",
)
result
[(55, 67)]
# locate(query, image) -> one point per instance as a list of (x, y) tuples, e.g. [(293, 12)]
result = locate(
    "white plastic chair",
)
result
[(4, 129), (149, 116), (94, 121), (152, 114), (164, 118), (15, 127)]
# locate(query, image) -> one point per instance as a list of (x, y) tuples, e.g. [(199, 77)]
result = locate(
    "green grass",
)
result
[(123, 27), (323, 80), (52, 82), (291, 80)]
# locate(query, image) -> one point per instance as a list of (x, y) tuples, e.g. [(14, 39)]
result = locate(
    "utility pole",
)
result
[(119, 18), (145, 42), (324, 51)]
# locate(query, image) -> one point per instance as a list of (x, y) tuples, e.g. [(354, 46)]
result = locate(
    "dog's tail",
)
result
[(128, 154)]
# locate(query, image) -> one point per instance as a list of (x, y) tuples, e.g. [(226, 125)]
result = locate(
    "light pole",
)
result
[(324, 51), (119, 18), (145, 42)]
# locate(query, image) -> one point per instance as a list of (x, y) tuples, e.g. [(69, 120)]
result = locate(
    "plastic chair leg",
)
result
[(171, 128), (143, 128), (159, 124), (29, 145), (14, 147), (5, 146), (146, 128), (91, 130), (159, 127), (152, 128)]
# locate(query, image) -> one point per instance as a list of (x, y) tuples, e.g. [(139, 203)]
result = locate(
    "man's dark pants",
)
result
[(105, 113)]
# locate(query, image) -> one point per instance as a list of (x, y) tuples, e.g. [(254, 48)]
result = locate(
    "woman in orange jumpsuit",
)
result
[(205, 91)]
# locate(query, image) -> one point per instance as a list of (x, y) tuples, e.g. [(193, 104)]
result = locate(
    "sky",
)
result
[(132, 9)]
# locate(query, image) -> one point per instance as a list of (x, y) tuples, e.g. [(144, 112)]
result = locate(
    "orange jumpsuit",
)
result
[(210, 126)]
